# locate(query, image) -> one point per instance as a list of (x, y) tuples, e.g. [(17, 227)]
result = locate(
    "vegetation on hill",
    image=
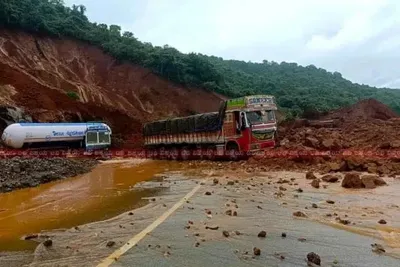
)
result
[(297, 88)]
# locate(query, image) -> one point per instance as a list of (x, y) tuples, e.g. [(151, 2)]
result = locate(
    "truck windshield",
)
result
[(258, 117)]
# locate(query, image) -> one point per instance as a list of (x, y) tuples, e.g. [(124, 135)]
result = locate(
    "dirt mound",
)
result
[(365, 110), (64, 80), (367, 124)]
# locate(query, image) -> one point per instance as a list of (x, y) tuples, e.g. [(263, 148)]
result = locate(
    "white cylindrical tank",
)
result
[(15, 135)]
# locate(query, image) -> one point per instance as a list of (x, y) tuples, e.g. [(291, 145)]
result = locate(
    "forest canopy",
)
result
[(297, 88)]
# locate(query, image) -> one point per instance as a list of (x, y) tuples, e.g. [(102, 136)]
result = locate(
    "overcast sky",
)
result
[(359, 38)]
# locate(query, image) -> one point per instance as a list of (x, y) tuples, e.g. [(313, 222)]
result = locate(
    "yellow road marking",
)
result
[(134, 240)]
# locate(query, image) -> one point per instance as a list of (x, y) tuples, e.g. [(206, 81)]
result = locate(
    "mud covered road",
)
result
[(222, 224)]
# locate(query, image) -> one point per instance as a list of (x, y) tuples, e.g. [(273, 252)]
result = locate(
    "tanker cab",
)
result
[(97, 138)]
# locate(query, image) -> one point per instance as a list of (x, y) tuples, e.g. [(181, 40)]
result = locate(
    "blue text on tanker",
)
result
[(69, 133)]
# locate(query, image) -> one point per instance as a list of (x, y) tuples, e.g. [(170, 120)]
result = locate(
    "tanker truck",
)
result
[(89, 135), (242, 126)]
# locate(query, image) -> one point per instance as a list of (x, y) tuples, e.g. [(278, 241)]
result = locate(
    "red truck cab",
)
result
[(250, 123)]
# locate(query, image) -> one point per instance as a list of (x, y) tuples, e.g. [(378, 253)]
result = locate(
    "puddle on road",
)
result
[(101, 194)]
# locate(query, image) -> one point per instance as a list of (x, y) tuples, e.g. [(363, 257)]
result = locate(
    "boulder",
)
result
[(352, 180), (372, 181)]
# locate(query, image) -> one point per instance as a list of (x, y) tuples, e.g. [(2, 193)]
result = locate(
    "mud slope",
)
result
[(36, 73)]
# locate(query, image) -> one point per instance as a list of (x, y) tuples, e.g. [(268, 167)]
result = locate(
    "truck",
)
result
[(241, 126), (89, 135)]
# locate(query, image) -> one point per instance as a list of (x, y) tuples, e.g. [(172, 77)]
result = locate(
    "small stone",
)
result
[(234, 213), (31, 236), (153, 199), (299, 214), (315, 206), (48, 243), (282, 188), (330, 202), (190, 222), (262, 234), (328, 215), (197, 244), (237, 232), (228, 212), (225, 233), (299, 190), (315, 183), (130, 213), (230, 183), (215, 181), (314, 258), (112, 243), (208, 193), (257, 251), (283, 235), (212, 227), (301, 239), (377, 248), (259, 207), (310, 176), (382, 221), (208, 211)]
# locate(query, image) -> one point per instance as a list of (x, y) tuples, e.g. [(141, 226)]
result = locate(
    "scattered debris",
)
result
[(111, 244), (329, 178), (48, 243), (262, 234), (310, 176), (314, 258), (299, 214), (225, 233), (315, 183), (378, 248)]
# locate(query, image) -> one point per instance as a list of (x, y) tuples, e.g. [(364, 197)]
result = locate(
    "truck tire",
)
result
[(232, 151)]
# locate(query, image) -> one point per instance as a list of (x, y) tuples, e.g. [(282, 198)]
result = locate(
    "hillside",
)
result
[(297, 88), (65, 80)]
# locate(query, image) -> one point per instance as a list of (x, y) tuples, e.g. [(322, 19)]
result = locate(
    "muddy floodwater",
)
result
[(101, 194)]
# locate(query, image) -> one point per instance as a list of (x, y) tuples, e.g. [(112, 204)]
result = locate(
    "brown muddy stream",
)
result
[(101, 194)]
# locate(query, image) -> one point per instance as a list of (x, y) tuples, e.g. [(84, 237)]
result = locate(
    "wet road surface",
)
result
[(171, 244)]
